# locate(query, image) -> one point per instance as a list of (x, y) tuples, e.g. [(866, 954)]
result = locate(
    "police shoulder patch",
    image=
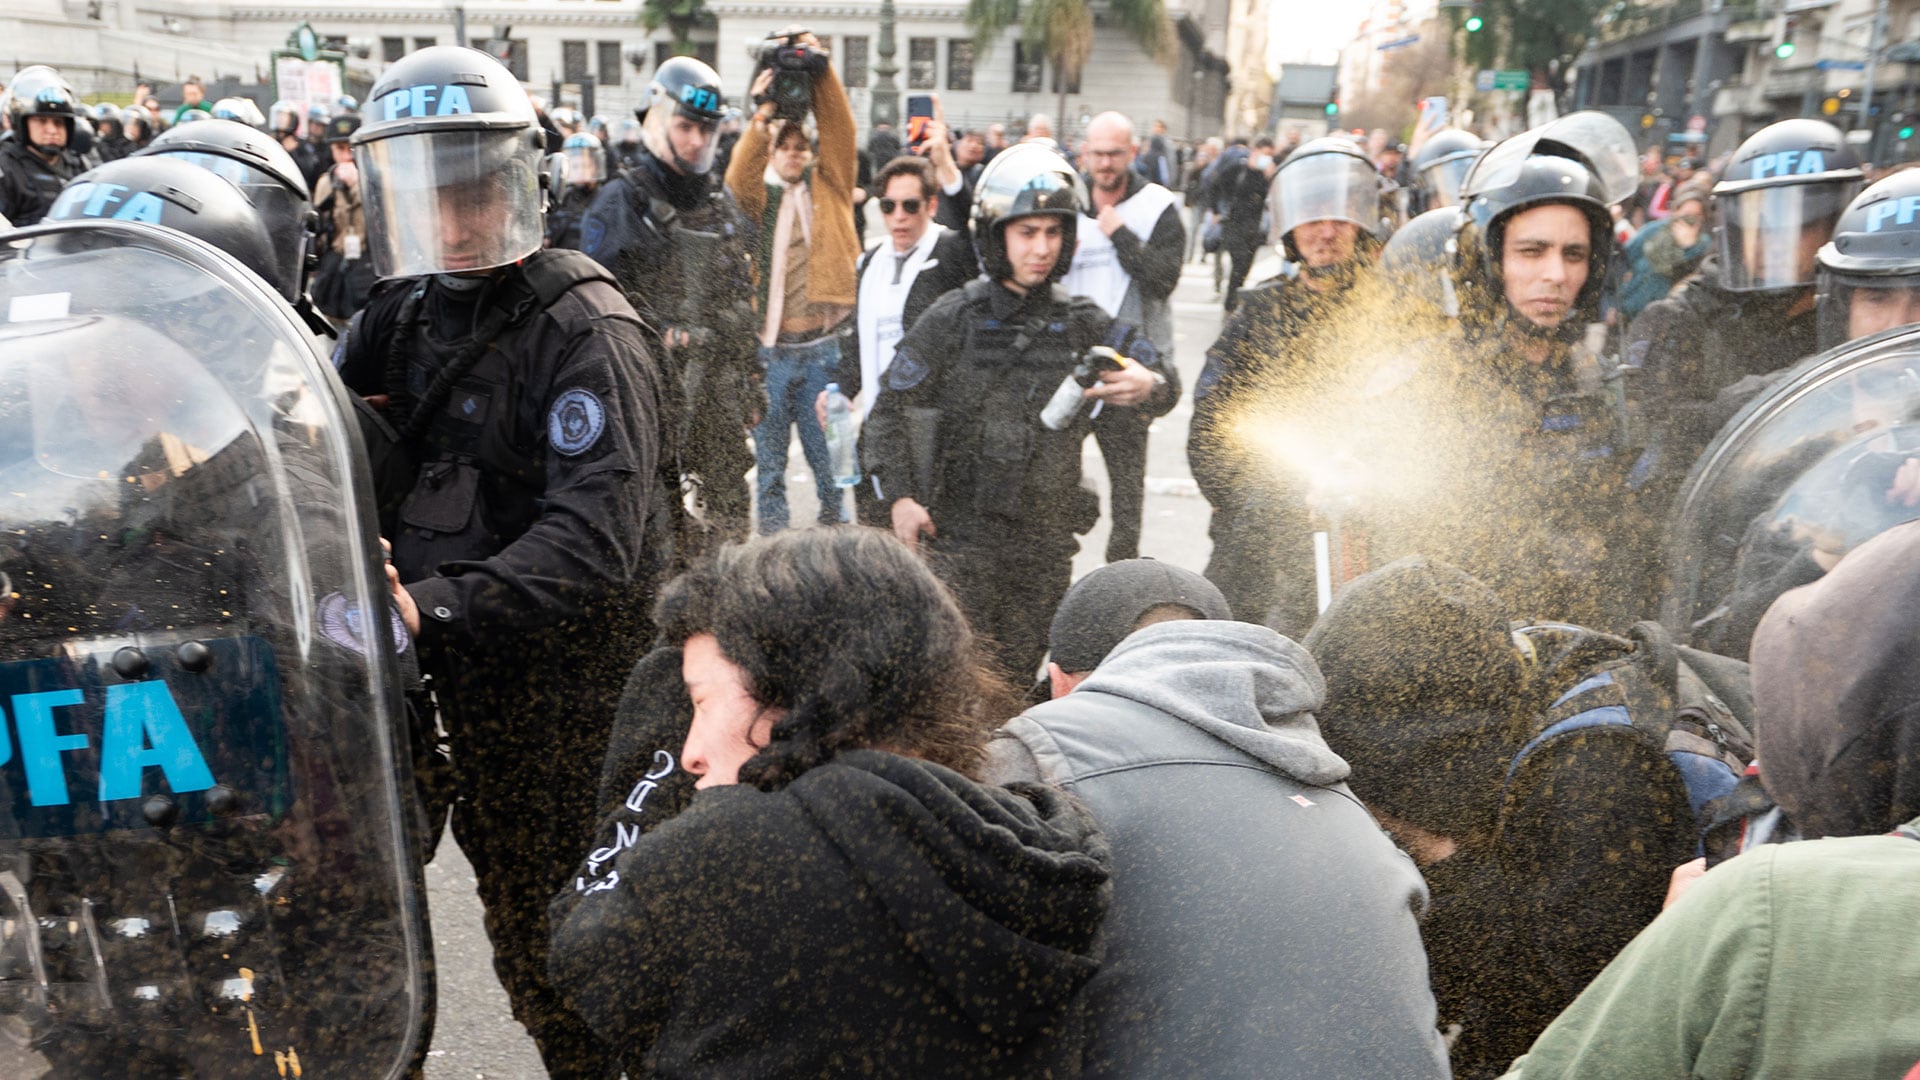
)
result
[(906, 371), (576, 421)]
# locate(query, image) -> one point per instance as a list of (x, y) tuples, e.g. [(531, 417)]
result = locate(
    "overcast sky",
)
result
[(1310, 31)]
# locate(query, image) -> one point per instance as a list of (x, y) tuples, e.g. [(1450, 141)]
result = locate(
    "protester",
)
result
[(840, 710), (1192, 740), (193, 98), (1667, 251), (1240, 192)]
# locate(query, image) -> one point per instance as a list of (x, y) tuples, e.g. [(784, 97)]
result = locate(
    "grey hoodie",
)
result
[(1261, 923)]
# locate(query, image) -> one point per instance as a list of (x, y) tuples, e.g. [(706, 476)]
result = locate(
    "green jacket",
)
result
[(1792, 961)]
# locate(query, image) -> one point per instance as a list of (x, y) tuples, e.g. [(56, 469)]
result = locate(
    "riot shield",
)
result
[(1805, 472), (204, 858), (1594, 137)]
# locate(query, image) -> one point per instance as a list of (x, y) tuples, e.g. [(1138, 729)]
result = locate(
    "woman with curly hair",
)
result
[(842, 897)]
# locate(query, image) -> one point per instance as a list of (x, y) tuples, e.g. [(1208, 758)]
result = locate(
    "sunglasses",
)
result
[(911, 206)]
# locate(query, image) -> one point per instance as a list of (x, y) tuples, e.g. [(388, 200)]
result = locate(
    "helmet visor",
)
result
[(586, 164), (1854, 306), (282, 211), (1326, 187), (1443, 178), (1769, 237), (688, 143), (450, 201)]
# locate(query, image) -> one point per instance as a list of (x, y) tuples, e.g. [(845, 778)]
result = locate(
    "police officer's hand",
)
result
[(1131, 385), (911, 521)]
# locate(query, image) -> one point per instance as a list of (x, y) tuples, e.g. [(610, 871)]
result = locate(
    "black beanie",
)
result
[(1423, 685)]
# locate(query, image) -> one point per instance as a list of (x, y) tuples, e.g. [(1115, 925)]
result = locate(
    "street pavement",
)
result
[(475, 1036)]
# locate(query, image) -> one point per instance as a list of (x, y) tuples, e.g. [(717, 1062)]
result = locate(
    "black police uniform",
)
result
[(679, 248), (1685, 350), (28, 184), (516, 500), (563, 217), (956, 427), (1261, 528)]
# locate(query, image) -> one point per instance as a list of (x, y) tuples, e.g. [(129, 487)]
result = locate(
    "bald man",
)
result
[(1128, 262)]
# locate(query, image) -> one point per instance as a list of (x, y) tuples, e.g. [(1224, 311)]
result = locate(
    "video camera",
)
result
[(795, 65)]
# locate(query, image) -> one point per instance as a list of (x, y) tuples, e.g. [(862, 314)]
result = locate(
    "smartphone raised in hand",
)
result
[(920, 112)]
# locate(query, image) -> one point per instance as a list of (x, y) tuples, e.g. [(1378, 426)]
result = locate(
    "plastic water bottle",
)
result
[(843, 438)]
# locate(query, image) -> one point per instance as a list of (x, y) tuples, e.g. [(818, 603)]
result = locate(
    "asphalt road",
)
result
[(475, 1035)]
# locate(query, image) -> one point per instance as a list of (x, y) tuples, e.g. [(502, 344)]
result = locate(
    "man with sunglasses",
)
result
[(1128, 262), (919, 261)]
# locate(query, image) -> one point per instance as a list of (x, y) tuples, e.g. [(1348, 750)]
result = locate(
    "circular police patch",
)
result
[(343, 623), (576, 422)]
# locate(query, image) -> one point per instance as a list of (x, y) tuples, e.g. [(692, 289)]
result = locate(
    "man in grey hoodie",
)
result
[(1262, 924)]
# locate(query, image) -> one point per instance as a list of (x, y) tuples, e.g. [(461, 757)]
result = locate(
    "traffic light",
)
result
[(1786, 48), (1333, 108), (1905, 120), (1474, 23)]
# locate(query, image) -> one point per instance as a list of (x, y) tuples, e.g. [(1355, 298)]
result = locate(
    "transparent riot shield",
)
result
[(1825, 458), (204, 858)]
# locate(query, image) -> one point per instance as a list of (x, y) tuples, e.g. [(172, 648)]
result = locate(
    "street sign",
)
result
[(1399, 43), (1510, 80), (1484, 81), (1840, 65)]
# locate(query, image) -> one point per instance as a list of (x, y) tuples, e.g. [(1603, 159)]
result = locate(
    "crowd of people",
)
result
[(1422, 777)]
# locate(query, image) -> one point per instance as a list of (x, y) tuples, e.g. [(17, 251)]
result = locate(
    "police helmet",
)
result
[(346, 103), (1325, 180), (627, 133), (688, 88), (1779, 198), (136, 114), (1442, 164), (586, 160), (1417, 260), (1022, 181), (1479, 243), (598, 127), (283, 118), (258, 165), (1872, 263), (239, 109), (451, 158), (40, 91), (106, 119), (156, 190)]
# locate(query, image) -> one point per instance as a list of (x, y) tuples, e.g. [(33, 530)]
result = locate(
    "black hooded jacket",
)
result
[(878, 916)]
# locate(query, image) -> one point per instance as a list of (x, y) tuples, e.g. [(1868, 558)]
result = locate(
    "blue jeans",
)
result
[(796, 374)]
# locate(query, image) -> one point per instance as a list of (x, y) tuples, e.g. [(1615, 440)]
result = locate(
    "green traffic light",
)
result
[(1474, 23), (1332, 109), (1784, 49), (1906, 133)]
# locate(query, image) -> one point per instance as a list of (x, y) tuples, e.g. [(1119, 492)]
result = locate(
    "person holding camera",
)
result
[(802, 201)]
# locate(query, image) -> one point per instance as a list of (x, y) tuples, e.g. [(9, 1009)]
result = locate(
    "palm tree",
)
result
[(1062, 31), (678, 16)]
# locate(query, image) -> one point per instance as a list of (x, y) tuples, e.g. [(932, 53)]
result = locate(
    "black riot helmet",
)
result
[(1872, 263), (1022, 181), (1417, 261), (1778, 201), (177, 195), (689, 89), (258, 165), (1326, 179), (1442, 164), (41, 91), (1479, 244), (452, 164), (106, 120)]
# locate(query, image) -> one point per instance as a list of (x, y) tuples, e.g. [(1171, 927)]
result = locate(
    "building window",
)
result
[(512, 53), (707, 52), (1073, 84), (1026, 69), (423, 43), (609, 57), (959, 64), (392, 48), (853, 61), (573, 61), (923, 63)]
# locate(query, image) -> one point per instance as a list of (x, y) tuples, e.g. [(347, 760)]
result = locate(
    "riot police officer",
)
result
[(173, 193), (672, 236), (1869, 277), (586, 171), (956, 443), (1441, 164), (1326, 202), (1750, 309), (516, 467), (45, 151)]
